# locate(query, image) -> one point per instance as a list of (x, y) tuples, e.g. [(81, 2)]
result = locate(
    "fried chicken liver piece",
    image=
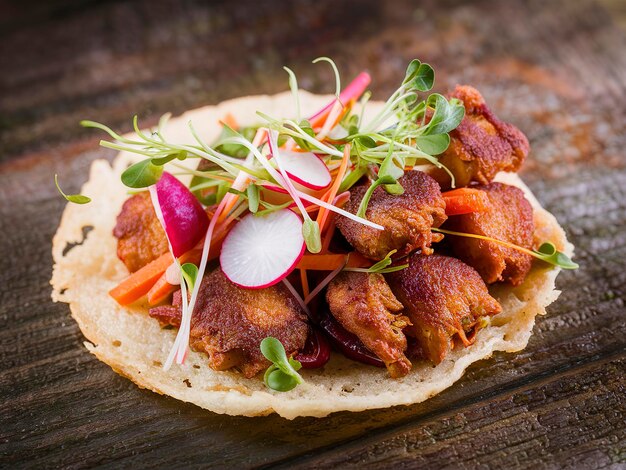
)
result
[(407, 217), (443, 297), (140, 236), (230, 322), (509, 218), (365, 306), (481, 145)]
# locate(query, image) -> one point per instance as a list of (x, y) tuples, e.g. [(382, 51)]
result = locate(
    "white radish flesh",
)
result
[(305, 168), (262, 250)]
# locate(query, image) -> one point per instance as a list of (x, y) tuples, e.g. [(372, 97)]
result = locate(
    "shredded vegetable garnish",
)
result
[(547, 252), (263, 169), (75, 198)]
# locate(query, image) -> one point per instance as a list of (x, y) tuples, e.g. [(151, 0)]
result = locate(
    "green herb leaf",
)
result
[(411, 71), (433, 144), (160, 161), (383, 263), (282, 375), (547, 252), (253, 198), (395, 189), (312, 236), (234, 150), (448, 114), (75, 198), (273, 350), (424, 78), (142, 174), (387, 179), (190, 273), (389, 168), (279, 381)]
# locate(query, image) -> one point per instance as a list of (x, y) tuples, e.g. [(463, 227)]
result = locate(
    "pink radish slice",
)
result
[(262, 250), (305, 168), (184, 219)]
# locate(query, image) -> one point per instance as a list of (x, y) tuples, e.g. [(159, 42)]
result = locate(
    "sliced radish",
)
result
[(306, 168), (181, 214), (262, 250)]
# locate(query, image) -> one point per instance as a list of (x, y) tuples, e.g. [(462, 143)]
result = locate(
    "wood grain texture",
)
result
[(555, 69)]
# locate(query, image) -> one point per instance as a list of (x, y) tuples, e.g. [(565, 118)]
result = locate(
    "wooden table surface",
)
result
[(555, 69)]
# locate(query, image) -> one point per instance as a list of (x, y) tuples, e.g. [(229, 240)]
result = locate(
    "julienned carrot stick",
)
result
[(139, 283), (162, 289), (322, 216), (322, 262), (331, 261), (230, 121), (465, 201), (305, 283)]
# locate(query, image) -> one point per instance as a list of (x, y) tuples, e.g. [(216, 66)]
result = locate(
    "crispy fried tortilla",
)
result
[(134, 345)]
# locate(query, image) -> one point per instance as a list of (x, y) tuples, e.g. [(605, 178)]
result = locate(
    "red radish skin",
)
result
[(316, 352), (184, 219), (262, 250)]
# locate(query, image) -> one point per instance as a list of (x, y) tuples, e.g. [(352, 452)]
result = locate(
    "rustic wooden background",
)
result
[(557, 69)]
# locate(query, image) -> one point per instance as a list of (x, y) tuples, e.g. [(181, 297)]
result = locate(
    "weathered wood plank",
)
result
[(61, 407), (576, 419)]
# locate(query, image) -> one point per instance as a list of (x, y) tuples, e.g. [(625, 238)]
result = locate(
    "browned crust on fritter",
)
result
[(509, 218), (229, 322), (407, 217), (364, 305), (442, 297), (140, 236), (481, 145)]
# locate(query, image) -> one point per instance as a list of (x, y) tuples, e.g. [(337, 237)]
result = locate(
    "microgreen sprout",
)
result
[(293, 85), (547, 252), (75, 198), (189, 272), (382, 267), (282, 375)]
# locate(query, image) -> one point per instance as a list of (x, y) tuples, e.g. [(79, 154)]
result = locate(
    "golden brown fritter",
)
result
[(230, 322), (407, 217), (442, 297), (140, 236), (481, 145), (509, 218), (365, 306)]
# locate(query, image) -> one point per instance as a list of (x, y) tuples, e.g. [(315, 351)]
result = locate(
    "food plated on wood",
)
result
[(306, 254)]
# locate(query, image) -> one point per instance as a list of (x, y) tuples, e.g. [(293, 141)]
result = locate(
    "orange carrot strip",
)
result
[(163, 289), (305, 283), (465, 200), (330, 231), (332, 261), (230, 121), (357, 260), (322, 262), (322, 216), (139, 283)]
